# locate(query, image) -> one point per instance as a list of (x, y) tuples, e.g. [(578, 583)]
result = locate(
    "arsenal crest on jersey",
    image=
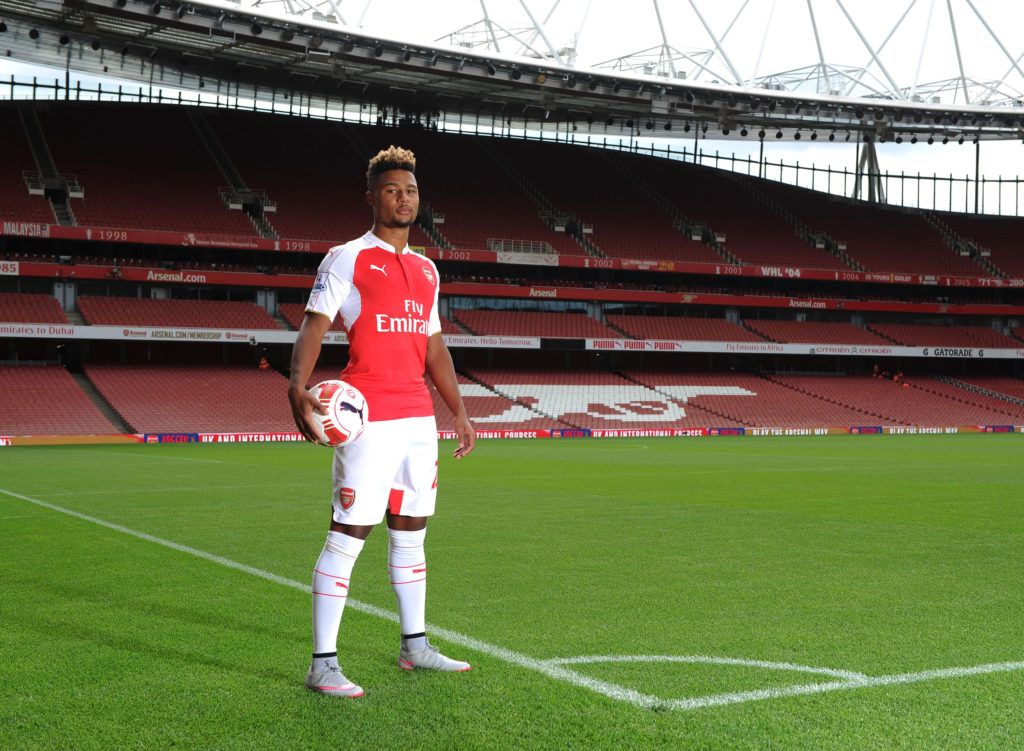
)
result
[(429, 274)]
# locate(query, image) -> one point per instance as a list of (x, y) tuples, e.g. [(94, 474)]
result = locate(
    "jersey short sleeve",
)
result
[(333, 282), (434, 324)]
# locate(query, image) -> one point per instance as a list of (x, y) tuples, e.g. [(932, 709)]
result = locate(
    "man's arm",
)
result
[(442, 373), (304, 355)]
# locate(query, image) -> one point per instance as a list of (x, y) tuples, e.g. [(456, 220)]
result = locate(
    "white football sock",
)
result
[(407, 570), (330, 589)]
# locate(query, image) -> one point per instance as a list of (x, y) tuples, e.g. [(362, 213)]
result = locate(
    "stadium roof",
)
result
[(520, 72)]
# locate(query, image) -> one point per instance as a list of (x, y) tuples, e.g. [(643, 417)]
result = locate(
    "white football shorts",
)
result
[(392, 467)]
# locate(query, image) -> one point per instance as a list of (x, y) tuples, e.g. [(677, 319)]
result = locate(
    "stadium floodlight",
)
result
[(3, 27), (960, 140), (95, 44), (913, 139), (796, 136), (155, 8), (287, 35), (491, 70), (219, 23), (617, 87), (744, 132), (778, 134), (315, 41), (378, 50), (930, 140), (755, 104), (814, 135), (945, 140), (761, 134), (899, 139), (180, 11), (256, 29), (407, 56), (516, 73), (832, 136), (433, 59), (33, 34), (347, 46), (668, 126), (592, 85), (650, 125)]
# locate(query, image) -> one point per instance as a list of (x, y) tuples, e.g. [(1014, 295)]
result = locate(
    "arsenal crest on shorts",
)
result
[(348, 497)]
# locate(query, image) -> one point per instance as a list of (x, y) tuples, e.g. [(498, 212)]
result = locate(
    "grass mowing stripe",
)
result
[(556, 668)]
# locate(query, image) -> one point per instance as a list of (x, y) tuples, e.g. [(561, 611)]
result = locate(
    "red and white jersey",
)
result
[(388, 303)]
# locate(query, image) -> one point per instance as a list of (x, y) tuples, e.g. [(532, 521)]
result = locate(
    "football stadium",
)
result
[(748, 471)]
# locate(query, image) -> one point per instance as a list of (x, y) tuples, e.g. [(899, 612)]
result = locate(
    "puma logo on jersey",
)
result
[(379, 268)]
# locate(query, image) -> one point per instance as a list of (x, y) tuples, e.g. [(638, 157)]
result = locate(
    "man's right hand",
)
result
[(303, 405)]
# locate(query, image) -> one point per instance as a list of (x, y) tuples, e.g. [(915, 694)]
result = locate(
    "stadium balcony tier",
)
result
[(922, 335), (140, 168), (681, 329), (529, 323), (195, 398), (589, 188), (30, 308), (730, 206), (1000, 236), (876, 238), (215, 314), (68, 409), (15, 201)]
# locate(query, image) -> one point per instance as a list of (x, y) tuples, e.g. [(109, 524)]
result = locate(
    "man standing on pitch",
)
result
[(387, 297)]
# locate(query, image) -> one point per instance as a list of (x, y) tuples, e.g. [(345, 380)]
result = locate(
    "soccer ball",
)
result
[(347, 412)]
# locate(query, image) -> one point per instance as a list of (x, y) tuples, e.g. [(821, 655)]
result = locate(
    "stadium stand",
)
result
[(919, 403), (194, 398), (150, 171), (923, 335), (681, 329), (68, 410), (531, 323), (586, 399), (587, 187), (30, 308), (813, 332), (747, 400), (754, 233), (131, 311), (1003, 385), (15, 201), (878, 238)]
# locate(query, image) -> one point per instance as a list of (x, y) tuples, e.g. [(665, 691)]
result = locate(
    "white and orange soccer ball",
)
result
[(347, 412)]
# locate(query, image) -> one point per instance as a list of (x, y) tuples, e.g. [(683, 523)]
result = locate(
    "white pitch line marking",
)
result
[(554, 668)]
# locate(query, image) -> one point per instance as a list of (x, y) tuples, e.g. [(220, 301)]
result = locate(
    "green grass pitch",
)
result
[(748, 593)]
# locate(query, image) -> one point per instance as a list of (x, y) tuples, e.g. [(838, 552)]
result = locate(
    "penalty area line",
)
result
[(555, 668)]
